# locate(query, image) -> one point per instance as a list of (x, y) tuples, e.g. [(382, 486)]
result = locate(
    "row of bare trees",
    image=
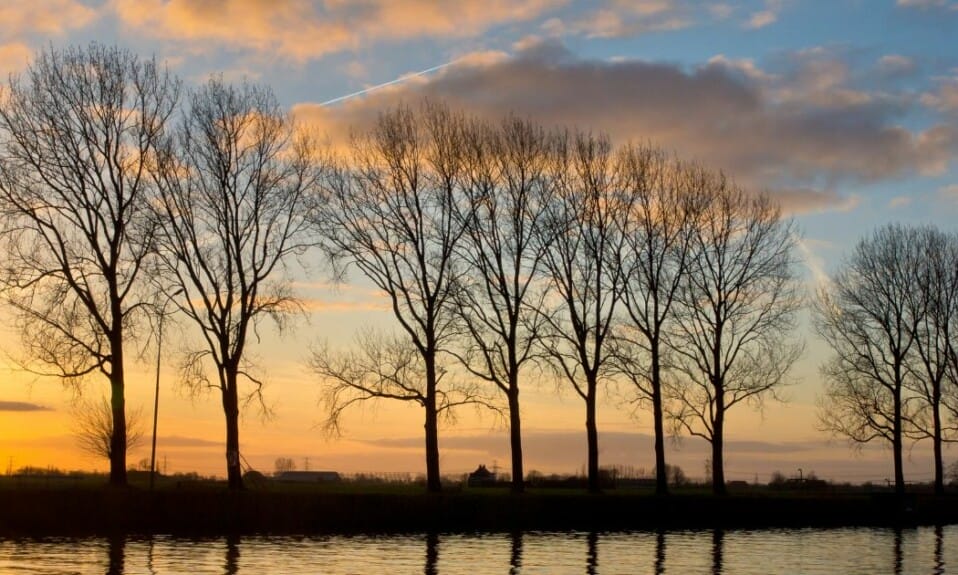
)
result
[(505, 248), (120, 194), (890, 314)]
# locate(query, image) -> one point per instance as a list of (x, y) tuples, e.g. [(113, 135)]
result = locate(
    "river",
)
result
[(923, 550)]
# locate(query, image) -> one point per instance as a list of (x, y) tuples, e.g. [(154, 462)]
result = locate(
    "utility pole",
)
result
[(156, 394)]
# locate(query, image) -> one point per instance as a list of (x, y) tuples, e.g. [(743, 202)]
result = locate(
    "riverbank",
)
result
[(212, 510)]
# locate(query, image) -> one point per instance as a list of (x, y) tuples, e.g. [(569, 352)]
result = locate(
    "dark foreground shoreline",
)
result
[(80, 512)]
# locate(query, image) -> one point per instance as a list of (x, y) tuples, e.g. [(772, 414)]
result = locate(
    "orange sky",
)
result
[(850, 118)]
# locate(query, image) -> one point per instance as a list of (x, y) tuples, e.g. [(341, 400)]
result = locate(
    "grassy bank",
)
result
[(211, 509)]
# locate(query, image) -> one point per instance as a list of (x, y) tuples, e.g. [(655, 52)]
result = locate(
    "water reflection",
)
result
[(592, 555), (718, 540), (660, 552), (232, 554), (912, 551), (432, 554), (116, 549), (899, 553), (939, 550), (515, 553)]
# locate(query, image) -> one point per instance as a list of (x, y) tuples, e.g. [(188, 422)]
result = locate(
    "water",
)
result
[(924, 550)]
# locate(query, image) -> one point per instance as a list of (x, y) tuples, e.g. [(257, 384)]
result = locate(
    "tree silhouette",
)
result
[(507, 186), (232, 213), (393, 214), (78, 132), (658, 242), (866, 314), (581, 265), (931, 365), (736, 307)]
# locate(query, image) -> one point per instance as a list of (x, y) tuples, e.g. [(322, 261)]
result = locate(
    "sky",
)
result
[(844, 110)]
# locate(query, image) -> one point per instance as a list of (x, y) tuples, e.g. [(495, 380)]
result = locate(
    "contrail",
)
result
[(389, 83)]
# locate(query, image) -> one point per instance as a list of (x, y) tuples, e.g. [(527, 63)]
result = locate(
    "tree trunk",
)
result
[(234, 472), (937, 440), (433, 482), (515, 436), (118, 405), (718, 440), (661, 473), (118, 439), (592, 437), (896, 445)]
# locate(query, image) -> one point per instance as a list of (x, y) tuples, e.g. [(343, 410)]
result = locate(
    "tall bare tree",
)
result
[(658, 241), (867, 315), (78, 130), (737, 307), (508, 186), (235, 189), (394, 215), (581, 266), (930, 365)]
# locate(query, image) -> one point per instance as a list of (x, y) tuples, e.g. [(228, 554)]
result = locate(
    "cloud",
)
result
[(801, 129), (949, 191), (301, 29), (170, 441), (564, 451), (44, 17), (899, 202), (896, 65), (923, 4), (761, 19), (626, 18), (945, 98), (14, 57), (22, 406), (720, 11)]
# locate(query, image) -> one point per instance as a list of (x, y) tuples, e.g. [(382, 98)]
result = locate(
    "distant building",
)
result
[(481, 477), (309, 477)]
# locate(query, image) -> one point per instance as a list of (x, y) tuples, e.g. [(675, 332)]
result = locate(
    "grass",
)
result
[(86, 506)]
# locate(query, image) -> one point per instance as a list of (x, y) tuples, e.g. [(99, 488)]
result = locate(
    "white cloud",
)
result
[(761, 19)]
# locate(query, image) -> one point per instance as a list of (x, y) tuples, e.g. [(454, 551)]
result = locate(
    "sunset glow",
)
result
[(846, 112)]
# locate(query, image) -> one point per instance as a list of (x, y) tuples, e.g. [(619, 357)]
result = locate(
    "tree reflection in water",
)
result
[(116, 550), (939, 550), (515, 553), (592, 555), (432, 554), (660, 552), (718, 540), (232, 554)]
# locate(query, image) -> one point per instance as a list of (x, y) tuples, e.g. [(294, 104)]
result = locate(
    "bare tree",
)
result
[(736, 307), (508, 187), (284, 464), (930, 366), (866, 314), (235, 186), (394, 216), (581, 266), (78, 130), (93, 428), (658, 239)]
